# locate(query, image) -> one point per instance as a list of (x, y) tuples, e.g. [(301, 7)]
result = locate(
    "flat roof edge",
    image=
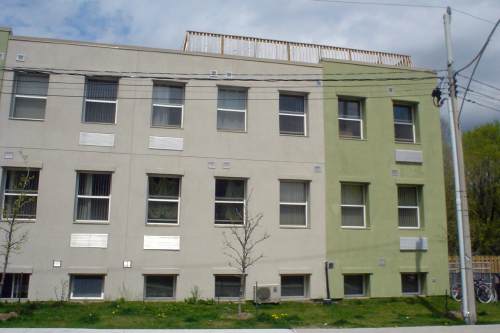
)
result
[(368, 64)]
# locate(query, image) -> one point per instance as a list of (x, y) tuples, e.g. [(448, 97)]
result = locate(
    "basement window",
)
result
[(16, 285), (412, 283), (356, 285), (159, 286), (227, 286), (294, 285), (87, 287)]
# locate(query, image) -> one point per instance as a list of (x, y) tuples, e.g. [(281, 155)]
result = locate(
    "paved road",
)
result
[(424, 329)]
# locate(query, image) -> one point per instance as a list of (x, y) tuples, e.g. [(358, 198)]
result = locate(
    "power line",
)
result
[(477, 59), (479, 104), (229, 99), (221, 75), (481, 94), (481, 82), (398, 4)]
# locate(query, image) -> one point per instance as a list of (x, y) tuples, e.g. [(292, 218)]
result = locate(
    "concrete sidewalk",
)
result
[(422, 329)]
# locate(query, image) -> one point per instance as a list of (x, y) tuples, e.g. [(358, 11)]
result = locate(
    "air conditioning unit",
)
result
[(267, 293)]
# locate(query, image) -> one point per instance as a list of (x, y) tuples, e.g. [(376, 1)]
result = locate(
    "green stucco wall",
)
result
[(372, 161), (4, 40)]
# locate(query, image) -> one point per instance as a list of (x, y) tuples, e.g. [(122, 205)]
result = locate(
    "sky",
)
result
[(162, 23)]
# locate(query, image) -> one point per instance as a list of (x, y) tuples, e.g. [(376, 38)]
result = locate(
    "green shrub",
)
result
[(90, 318)]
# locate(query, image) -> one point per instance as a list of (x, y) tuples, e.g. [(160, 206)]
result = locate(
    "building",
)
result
[(141, 158)]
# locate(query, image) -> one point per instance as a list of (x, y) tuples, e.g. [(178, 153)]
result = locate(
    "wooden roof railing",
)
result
[(207, 42)]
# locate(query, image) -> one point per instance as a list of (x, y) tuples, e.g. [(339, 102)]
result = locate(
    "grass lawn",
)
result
[(206, 314)]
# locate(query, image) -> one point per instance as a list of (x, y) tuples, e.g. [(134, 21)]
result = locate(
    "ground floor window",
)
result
[(356, 285), (227, 286), (412, 283), (16, 285), (159, 286), (87, 287), (294, 285)]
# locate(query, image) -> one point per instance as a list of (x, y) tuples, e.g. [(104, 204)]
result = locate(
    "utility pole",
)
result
[(462, 209)]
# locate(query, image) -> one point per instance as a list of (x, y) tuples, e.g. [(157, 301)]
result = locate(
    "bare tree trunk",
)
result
[(243, 282), (6, 258)]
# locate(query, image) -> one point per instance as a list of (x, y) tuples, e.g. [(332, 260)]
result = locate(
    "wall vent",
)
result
[(213, 74), (408, 156), (165, 142), (413, 244), (97, 139), (20, 57), (162, 243), (89, 240)]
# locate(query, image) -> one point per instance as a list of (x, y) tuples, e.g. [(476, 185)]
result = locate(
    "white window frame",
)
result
[(360, 120), (104, 101), (412, 113), (16, 96), (93, 197), (175, 276), (284, 113), (306, 204), (232, 110), (365, 188), (417, 207), (244, 202), (306, 287), (6, 194), (87, 298), (365, 280), (177, 106), (419, 284), (178, 201)]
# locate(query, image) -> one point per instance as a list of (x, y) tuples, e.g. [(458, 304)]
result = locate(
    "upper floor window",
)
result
[(232, 109), (353, 205), (168, 105), (20, 194), (408, 207), (404, 123), (230, 201), (163, 199), (350, 119), (292, 114), (100, 100), (93, 196), (30, 96), (293, 203)]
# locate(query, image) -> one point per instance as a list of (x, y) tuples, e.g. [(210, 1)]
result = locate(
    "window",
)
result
[(350, 119), (30, 96), (159, 286), (93, 197), (100, 100), (412, 283), (20, 188), (232, 109), (293, 203), (292, 114), (229, 201), (404, 124), (356, 285), (408, 207), (15, 285), (168, 105), (227, 286), (163, 199), (294, 285), (353, 205), (87, 287)]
